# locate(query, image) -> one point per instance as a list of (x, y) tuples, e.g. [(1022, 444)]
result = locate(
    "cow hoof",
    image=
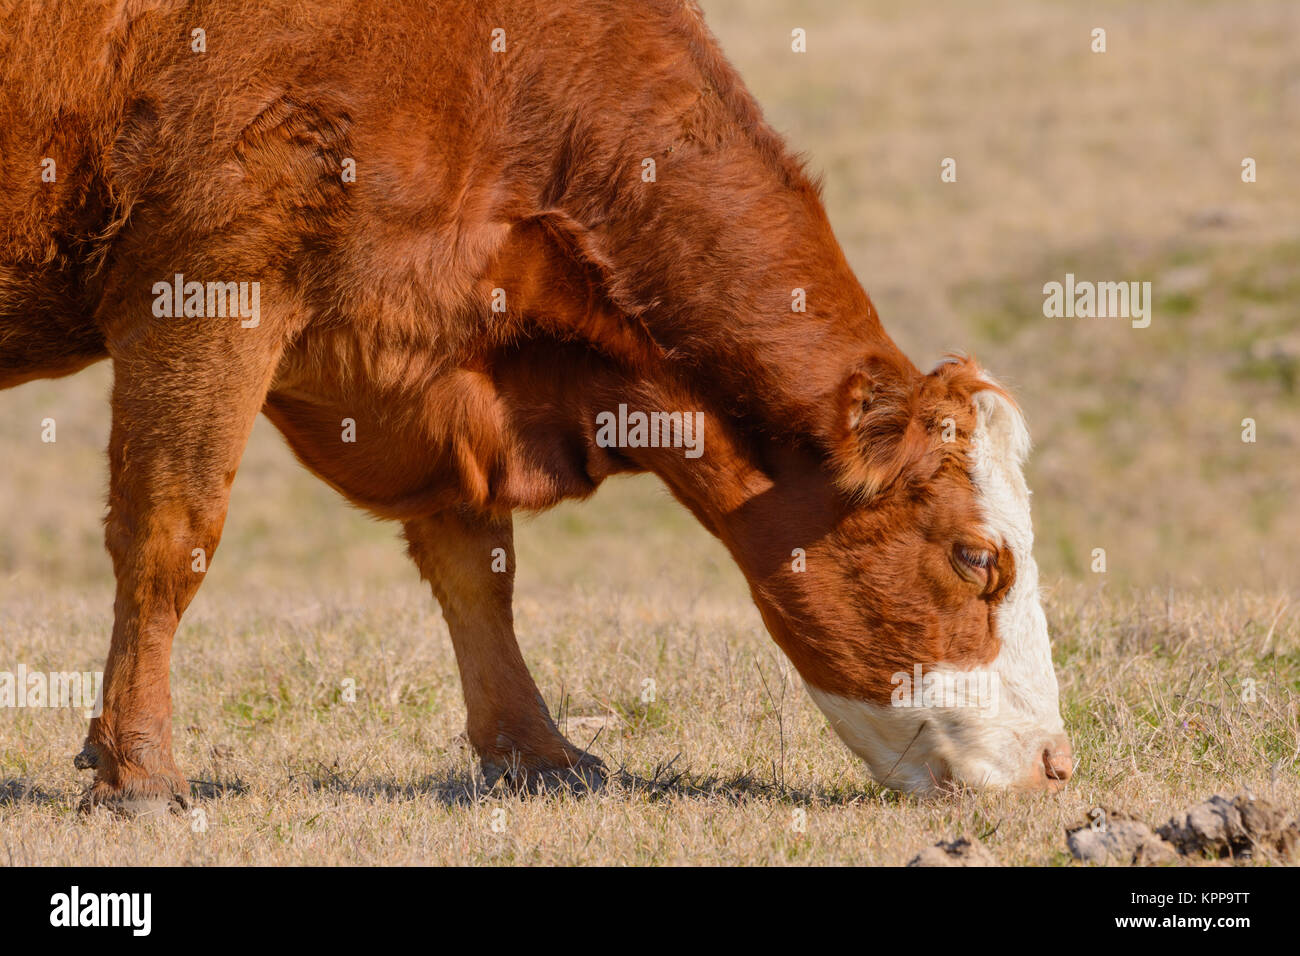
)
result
[(149, 797), (586, 775), (88, 759)]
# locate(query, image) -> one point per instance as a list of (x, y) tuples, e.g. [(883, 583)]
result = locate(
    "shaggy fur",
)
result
[(483, 177)]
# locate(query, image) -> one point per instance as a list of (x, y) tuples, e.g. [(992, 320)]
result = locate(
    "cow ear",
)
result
[(855, 398), (875, 435)]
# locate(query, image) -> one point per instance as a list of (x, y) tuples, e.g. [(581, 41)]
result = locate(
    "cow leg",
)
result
[(508, 724), (185, 396)]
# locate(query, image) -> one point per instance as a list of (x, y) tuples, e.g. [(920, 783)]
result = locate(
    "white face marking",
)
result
[(998, 743)]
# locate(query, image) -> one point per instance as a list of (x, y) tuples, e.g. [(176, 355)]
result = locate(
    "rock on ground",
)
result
[(1232, 826), (959, 852), (1221, 826), (1118, 840)]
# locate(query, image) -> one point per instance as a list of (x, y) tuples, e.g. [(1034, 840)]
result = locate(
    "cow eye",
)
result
[(975, 557), (988, 569)]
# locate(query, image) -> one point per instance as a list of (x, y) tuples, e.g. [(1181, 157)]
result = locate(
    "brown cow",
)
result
[(461, 253)]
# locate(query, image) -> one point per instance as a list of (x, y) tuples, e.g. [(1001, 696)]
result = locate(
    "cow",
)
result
[(443, 247)]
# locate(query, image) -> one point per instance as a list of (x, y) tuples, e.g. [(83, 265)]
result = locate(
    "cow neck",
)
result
[(753, 300)]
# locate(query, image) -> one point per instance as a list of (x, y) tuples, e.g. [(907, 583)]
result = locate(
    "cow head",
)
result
[(914, 615)]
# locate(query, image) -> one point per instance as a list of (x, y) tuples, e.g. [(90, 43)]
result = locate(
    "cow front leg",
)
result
[(469, 562), (185, 397)]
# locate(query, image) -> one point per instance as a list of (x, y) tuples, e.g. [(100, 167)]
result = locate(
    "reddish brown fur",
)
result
[(475, 170)]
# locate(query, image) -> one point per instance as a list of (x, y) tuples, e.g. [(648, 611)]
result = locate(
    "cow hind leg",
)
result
[(468, 561)]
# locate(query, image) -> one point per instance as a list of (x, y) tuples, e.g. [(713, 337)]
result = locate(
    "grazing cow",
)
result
[(473, 257)]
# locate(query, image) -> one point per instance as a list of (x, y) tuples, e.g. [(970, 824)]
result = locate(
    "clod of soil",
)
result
[(1118, 840), (1232, 826), (959, 852)]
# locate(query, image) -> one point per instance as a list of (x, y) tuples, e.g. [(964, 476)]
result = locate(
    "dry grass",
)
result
[(1123, 166), (714, 770)]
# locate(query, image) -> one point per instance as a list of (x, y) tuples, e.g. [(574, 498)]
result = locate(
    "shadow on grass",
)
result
[(453, 788), (739, 788), (463, 787), (19, 790), (15, 791), (215, 789)]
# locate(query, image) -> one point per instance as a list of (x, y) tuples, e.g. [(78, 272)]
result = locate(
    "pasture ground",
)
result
[(1115, 166), (717, 767)]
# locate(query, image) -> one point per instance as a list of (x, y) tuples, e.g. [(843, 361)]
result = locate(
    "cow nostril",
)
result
[(1058, 761)]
